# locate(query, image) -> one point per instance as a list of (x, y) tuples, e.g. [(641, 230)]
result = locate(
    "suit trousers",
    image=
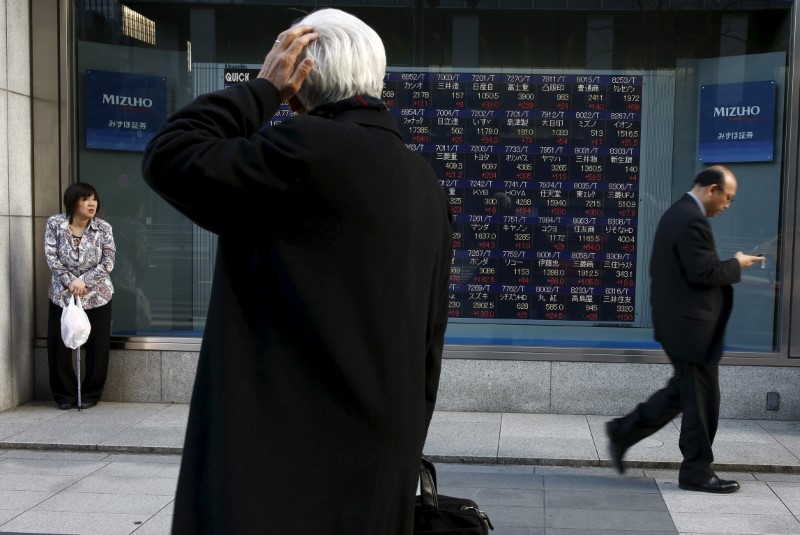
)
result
[(63, 380), (693, 390)]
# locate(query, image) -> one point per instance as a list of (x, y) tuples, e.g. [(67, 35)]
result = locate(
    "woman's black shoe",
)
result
[(65, 405), (88, 404)]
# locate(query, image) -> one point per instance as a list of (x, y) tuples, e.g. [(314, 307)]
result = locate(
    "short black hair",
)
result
[(713, 175), (74, 193)]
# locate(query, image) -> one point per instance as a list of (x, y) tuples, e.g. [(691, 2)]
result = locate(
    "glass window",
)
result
[(559, 136)]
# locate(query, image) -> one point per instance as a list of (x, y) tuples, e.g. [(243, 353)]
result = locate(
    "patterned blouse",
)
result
[(91, 260)]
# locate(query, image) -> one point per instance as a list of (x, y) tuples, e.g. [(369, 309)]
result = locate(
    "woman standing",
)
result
[(80, 250)]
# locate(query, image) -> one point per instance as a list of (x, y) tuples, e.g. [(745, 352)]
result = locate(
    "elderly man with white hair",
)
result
[(320, 362)]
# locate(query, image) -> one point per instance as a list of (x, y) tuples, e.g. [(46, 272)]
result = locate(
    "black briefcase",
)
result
[(445, 515)]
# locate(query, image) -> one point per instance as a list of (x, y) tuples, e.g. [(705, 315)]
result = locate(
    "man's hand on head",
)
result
[(281, 67)]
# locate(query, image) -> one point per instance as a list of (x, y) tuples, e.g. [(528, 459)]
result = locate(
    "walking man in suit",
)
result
[(692, 298)]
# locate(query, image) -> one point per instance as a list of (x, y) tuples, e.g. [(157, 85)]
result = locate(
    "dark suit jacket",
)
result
[(691, 289), (320, 361)]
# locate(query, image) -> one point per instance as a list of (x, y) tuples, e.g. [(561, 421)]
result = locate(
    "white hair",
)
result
[(349, 59)]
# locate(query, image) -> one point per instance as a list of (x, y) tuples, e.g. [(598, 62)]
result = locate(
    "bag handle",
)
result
[(427, 484)]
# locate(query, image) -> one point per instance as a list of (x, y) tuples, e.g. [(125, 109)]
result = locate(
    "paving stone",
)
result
[(157, 525), (126, 485), (493, 418), (150, 438), (608, 520), (85, 433), (535, 448), (36, 482), (789, 478), (171, 416), (54, 455), (791, 443), (89, 502), (788, 493), (6, 515), (139, 469), (167, 510), (510, 481), (592, 531), (605, 501), (22, 500), (145, 458), (82, 523), (749, 488), (778, 428), (444, 438), (515, 517), (485, 468), (748, 431), (672, 475), (497, 496), (739, 524), (754, 454), (50, 467), (575, 470), (545, 426), (699, 502), (599, 484), (506, 530)]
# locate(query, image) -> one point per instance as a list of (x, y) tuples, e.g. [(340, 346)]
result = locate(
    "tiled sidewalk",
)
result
[(577, 440), (471, 437), (113, 469), (97, 493)]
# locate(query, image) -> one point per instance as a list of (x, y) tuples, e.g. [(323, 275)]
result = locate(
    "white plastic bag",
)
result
[(75, 326)]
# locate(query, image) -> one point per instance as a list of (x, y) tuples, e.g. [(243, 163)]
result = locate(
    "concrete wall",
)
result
[(487, 385), (137, 376), (16, 207), (603, 388)]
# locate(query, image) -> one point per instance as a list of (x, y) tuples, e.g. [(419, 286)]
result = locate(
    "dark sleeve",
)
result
[(210, 154), (698, 256), (438, 325)]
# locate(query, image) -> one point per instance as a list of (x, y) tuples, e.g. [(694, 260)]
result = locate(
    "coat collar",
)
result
[(366, 111), (371, 118), (696, 202)]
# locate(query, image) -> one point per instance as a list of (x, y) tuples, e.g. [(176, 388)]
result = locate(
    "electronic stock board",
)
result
[(542, 173)]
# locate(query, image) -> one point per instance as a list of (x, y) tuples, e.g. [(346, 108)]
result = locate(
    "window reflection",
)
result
[(165, 264)]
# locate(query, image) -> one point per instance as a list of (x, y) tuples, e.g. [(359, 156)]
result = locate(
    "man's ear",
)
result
[(295, 105)]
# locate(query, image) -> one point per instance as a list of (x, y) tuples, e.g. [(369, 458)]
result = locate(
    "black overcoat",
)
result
[(691, 290), (320, 361)]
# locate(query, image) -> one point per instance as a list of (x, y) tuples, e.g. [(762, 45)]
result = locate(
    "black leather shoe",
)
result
[(615, 448), (713, 484), (65, 405), (88, 404)]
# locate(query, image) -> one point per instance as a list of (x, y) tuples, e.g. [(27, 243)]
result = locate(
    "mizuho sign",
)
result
[(121, 100), (736, 111), (123, 111), (736, 122)]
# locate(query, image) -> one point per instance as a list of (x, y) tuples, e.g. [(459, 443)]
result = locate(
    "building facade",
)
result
[(560, 129)]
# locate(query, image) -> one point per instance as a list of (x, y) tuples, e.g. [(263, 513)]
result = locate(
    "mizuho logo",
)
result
[(121, 100), (736, 111)]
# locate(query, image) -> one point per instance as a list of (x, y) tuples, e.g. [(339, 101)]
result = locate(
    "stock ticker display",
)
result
[(542, 173)]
